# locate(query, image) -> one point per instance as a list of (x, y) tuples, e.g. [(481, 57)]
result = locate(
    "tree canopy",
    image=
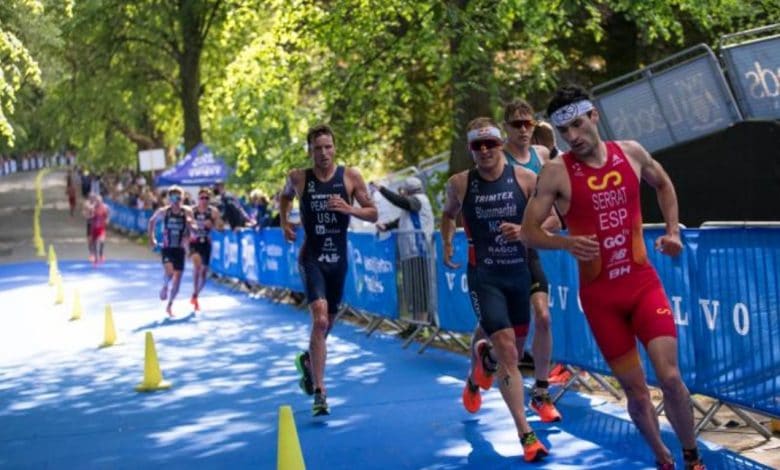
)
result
[(398, 80)]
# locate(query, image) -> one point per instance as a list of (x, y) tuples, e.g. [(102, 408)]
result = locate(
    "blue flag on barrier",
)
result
[(371, 277), (455, 311)]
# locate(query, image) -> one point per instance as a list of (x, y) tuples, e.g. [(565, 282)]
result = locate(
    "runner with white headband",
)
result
[(596, 187)]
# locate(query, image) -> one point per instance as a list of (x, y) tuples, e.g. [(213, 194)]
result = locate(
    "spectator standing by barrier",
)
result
[(260, 211), (491, 198), (519, 125), (230, 209), (177, 222), (414, 235), (205, 217), (70, 190), (596, 188), (326, 192)]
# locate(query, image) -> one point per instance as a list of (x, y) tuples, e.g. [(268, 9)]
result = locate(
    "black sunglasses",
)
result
[(522, 123), (477, 145), (204, 197)]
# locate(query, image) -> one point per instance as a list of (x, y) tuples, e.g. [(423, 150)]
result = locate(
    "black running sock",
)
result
[(691, 455), (542, 384), (526, 436)]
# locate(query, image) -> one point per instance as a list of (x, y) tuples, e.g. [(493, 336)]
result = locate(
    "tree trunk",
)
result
[(189, 73), (472, 77)]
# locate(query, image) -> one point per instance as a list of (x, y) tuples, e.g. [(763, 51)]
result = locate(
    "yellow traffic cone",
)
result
[(40, 247), (109, 337), (52, 255), (76, 314), (54, 272), (60, 298), (153, 379), (288, 450)]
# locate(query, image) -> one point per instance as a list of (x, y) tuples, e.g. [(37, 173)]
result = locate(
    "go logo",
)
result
[(614, 242)]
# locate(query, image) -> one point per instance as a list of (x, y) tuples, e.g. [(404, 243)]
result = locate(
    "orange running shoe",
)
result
[(480, 375), (697, 465), (194, 302), (533, 449), (472, 399), (543, 405)]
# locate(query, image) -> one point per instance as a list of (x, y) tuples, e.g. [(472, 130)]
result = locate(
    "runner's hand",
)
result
[(670, 245), (447, 249), (289, 232), (584, 247), (336, 203), (511, 232)]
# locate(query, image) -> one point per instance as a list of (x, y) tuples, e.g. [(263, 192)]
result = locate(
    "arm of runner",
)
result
[(654, 174), (294, 179), (219, 224), (583, 247), (367, 210), (151, 226), (452, 207)]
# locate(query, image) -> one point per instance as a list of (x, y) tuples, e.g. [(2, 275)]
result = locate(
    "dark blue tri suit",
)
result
[(323, 257), (174, 230), (497, 274), (539, 282), (201, 242)]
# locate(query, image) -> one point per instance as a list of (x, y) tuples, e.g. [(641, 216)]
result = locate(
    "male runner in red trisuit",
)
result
[(596, 188)]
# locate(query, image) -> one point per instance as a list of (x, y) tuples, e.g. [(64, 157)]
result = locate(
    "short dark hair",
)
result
[(567, 94), (517, 105), (318, 130)]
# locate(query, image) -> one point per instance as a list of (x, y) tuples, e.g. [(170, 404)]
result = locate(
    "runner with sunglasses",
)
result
[(206, 217), (177, 222), (491, 198), (519, 124), (518, 151)]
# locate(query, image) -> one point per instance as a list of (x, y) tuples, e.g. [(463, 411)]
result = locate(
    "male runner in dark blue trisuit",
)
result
[(325, 192)]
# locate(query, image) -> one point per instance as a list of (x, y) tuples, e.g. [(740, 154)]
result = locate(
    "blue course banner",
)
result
[(455, 312), (216, 264), (278, 259), (231, 255), (736, 317), (371, 283), (249, 261)]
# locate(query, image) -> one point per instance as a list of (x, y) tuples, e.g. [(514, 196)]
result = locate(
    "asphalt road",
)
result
[(66, 233)]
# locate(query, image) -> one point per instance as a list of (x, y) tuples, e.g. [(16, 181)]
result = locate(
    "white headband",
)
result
[(564, 115), (484, 133)]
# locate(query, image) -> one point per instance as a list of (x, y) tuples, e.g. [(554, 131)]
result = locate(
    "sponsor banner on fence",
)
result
[(371, 277), (455, 312), (754, 68)]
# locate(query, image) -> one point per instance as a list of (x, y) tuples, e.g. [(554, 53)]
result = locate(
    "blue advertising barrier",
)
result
[(737, 320), (371, 278), (724, 291), (278, 259), (455, 312)]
